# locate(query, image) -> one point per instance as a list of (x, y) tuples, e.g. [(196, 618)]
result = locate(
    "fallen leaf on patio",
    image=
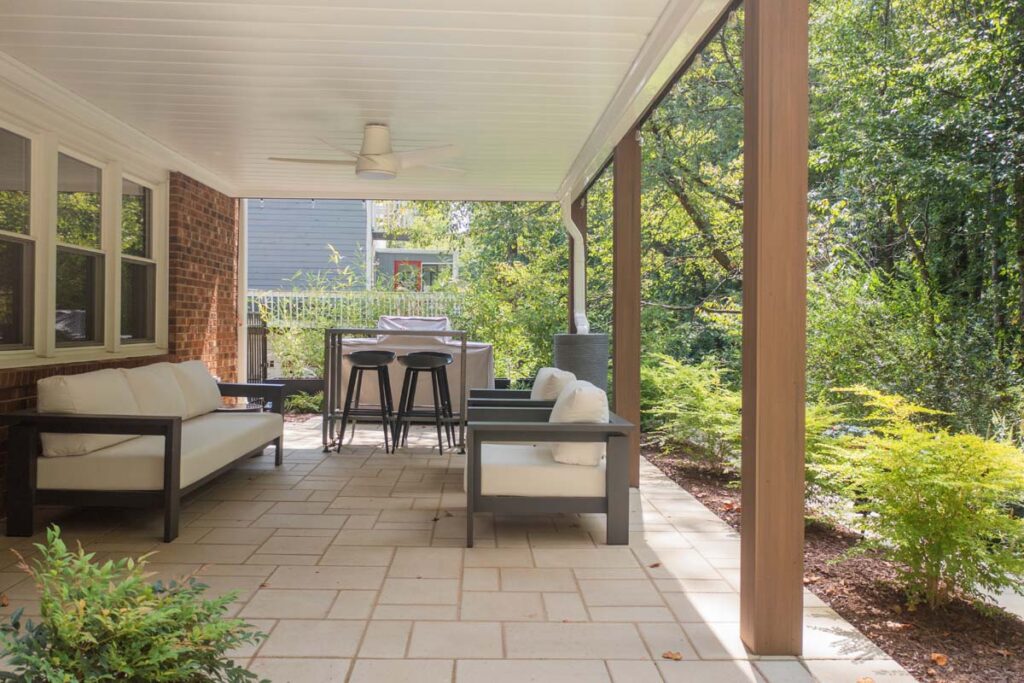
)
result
[(264, 585), (437, 519), (730, 506), (654, 565), (448, 514), (940, 658), (4, 600), (673, 655), (1005, 653), (866, 679)]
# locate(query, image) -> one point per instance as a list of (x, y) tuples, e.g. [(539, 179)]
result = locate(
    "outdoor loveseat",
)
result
[(511, 464), (136, 438)]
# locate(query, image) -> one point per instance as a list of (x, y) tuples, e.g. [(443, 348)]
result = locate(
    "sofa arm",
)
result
[(509, 403), (532, 431), (272, 393), (62, 423), (499, 393)]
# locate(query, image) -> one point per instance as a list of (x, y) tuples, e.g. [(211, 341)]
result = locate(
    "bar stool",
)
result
[(368, 361), (436, 363)]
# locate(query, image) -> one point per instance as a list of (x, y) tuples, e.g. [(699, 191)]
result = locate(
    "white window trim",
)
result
[(45, 147)]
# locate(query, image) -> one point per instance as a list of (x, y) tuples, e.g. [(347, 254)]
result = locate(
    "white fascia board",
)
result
[(33, 100), (678, 31), (377, 190)]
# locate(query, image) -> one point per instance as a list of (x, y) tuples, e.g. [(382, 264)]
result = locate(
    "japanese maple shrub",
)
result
[(107, 622)]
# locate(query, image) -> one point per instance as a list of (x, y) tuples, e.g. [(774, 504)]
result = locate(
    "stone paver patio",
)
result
[(354, 565)]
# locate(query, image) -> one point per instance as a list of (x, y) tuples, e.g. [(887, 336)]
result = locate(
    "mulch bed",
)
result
[(979, 645)]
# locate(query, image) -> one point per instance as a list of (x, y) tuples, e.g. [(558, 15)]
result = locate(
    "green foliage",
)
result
[(935, 502), (690, 406), (302, 403), (106, 622), (14, 208)]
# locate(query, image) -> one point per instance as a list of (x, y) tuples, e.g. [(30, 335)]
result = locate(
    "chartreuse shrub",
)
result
[(691, 406), (107, 622), (935, 502)]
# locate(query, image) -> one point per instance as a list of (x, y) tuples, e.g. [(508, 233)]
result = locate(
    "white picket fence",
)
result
[(357, 308)]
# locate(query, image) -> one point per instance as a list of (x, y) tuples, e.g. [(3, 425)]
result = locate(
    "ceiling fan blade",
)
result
[(324, 162), (327, 143), (448, 169), (425, 156)]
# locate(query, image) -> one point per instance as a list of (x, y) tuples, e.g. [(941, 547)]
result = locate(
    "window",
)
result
[(435, 274), (16, 245), (78, 202), (138, 271), (79, 277)]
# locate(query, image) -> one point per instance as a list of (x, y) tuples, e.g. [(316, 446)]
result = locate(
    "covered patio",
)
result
[(352, 561)]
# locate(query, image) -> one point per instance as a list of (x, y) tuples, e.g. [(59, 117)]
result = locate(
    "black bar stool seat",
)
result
[(436, 364), (359, 363)]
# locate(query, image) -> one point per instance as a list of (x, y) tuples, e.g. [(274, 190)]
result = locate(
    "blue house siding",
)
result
[(288, 236)]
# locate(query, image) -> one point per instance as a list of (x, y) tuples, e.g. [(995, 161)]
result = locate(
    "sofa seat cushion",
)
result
[(102, 392), (208, 443), (513, 469)]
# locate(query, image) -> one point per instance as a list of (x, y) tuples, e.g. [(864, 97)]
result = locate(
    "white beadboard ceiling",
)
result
[(532, 91)]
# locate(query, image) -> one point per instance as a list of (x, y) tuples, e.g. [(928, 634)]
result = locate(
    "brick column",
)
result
[(203, 269)]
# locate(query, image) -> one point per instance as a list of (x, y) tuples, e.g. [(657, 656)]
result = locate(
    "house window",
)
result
[(16, 245), (80, 263), (138, 270), (434, 274)]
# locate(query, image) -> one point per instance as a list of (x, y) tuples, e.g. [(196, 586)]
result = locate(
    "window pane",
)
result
[(79, 297), (78, 202), (137, 301), (14, 182), (136, 207), (15, 308)]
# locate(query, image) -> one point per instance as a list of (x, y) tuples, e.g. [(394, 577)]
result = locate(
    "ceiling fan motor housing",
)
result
[(375, 158)]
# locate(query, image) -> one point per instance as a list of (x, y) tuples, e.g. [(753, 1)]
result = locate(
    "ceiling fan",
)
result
[(376, 161)]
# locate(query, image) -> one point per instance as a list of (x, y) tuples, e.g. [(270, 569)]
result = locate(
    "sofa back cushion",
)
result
[(549, 383), (580, 402), (198, 387), (156, 390), (103, 392)]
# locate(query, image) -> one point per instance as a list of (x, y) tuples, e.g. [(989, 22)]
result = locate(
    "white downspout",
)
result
[(579, 269)]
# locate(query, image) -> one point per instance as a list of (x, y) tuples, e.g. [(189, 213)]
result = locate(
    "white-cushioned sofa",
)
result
[(133, 437)]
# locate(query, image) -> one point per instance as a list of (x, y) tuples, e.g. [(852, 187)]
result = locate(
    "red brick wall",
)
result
[(203, 276), (203, 311)]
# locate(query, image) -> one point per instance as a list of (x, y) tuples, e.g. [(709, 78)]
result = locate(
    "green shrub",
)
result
[(935, 502), (690, 406), (302, 403), (106, 622)]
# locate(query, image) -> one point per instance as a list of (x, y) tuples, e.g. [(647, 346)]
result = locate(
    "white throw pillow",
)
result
[(549, 383), (103, 392), (156, 390), (198, 387), (582, 403)]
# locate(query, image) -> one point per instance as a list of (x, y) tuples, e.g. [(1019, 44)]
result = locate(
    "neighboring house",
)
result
[(287, 237)]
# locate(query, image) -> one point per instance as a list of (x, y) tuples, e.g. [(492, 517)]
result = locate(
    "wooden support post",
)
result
[(774, 318), (626, 292), (579, 217)]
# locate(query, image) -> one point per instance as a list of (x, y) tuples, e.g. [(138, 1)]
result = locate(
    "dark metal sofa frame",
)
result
[(23, 450), (505, 398), (530, 425)]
